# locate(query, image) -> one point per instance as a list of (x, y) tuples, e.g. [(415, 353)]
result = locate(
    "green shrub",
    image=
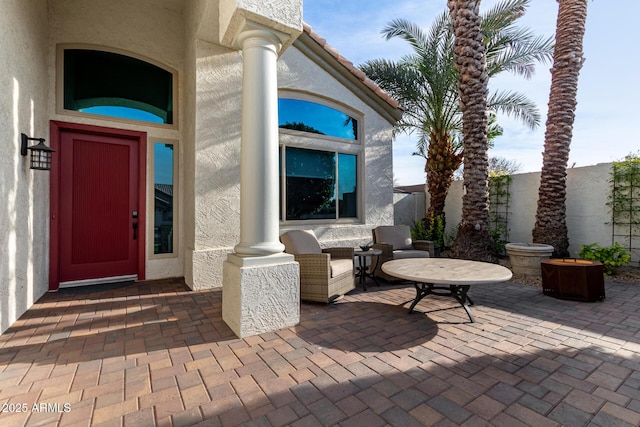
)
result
[(432, 229), (498, 233), (611, 257)]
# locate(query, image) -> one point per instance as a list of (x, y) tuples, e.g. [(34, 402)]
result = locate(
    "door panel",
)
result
[(98, 196)]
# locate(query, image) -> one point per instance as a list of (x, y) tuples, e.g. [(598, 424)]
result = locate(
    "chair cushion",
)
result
[(410, 253), (397, 235), (339, 266), (299, 242)]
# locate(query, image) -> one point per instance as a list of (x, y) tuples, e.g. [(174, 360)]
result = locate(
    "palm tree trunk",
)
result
[(551, 227), (442, 162), (473, 240)]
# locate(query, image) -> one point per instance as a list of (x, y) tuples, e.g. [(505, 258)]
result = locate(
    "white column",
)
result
[(261, 283), (259, 196)]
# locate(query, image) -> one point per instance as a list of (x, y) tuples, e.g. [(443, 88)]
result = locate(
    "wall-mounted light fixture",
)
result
[(40, 153)]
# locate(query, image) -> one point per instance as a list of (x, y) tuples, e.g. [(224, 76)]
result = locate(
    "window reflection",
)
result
[(107, 83), (123, 113), (347, 195), (314, 178), (163, 201), (310, 184), (315, 118)]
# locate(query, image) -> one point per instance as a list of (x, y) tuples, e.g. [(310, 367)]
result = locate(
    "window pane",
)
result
[(315, 118), (163, 201), (123, 112), (95, 78), (347, 185), (310, 184)]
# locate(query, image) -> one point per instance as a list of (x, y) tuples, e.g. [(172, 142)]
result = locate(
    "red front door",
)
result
[(98, 217)]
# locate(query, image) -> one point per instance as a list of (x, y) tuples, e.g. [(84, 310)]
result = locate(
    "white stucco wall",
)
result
[(24, 211), (176, 35), (408, 208), (216, 170), (156, 34), (587, 213), (296, 72)]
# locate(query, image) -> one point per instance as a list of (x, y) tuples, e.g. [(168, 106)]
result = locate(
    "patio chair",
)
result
[(396, 243), (325, 274)]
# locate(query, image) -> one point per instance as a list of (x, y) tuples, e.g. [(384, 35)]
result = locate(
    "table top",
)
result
[(370, 252), (446, 271)]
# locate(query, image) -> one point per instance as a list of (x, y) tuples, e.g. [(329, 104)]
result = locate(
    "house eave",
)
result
[(310, 44)]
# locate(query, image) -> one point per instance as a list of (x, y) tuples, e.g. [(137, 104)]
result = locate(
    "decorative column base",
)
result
[(260, 294)]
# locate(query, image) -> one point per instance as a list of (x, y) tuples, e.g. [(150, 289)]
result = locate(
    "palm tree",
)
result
[(551, 227), (425, 84), (473, 240)]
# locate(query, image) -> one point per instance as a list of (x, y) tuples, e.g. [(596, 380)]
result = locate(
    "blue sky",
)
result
[(605, 127)]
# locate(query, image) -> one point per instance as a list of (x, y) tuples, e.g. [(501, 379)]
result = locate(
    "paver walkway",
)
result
[(157, 354)]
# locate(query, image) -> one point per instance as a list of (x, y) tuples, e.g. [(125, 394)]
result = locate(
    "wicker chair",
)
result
[(396, 243), (325, 274)]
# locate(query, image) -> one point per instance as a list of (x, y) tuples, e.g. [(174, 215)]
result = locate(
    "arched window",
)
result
[(319, 163), (307, 116), (107, 83)]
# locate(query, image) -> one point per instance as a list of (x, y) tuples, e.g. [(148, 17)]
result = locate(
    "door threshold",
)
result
[(99, 281)]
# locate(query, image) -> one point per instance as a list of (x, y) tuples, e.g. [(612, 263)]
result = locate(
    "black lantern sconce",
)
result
[(40, 153)]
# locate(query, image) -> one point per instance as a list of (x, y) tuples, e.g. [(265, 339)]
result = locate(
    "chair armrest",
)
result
[(317, 265), (313, 259), (425, 245), (387, 251), (339, 252)]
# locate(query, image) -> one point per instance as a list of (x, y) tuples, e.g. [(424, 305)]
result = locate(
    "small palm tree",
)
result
[(551, 226), (425, 84)]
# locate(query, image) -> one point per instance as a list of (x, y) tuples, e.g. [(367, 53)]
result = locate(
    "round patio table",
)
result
[(446, 277)]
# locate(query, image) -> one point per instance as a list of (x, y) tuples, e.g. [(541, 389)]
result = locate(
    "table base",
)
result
[(459, 292), (362, 274)]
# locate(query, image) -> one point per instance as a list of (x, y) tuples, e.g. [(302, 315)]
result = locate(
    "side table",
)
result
[(361, 266)]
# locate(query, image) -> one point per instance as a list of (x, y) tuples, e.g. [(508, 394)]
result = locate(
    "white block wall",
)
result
[(588, 216)]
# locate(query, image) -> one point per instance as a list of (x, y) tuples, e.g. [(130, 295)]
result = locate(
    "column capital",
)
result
[(259, 35), (283, 18), (253, 36)]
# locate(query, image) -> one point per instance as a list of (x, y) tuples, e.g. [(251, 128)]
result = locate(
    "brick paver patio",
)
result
[(157, 354)]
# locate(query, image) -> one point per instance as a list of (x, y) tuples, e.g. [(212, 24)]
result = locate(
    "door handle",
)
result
[(135, 230)]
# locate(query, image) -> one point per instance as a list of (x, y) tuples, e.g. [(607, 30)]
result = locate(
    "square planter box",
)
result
[(573, 279)]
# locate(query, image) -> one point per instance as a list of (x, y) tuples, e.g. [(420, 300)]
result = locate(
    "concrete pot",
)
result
[(526, 257)]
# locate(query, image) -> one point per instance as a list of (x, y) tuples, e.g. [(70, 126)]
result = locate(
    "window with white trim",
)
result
[(319, 162), (110, 84), (164, 168)]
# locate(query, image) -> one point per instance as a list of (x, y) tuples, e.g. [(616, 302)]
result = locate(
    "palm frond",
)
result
[(510, 47), (502, 15), (515, 105), (425, 82), (407, 31), (517, 50)]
